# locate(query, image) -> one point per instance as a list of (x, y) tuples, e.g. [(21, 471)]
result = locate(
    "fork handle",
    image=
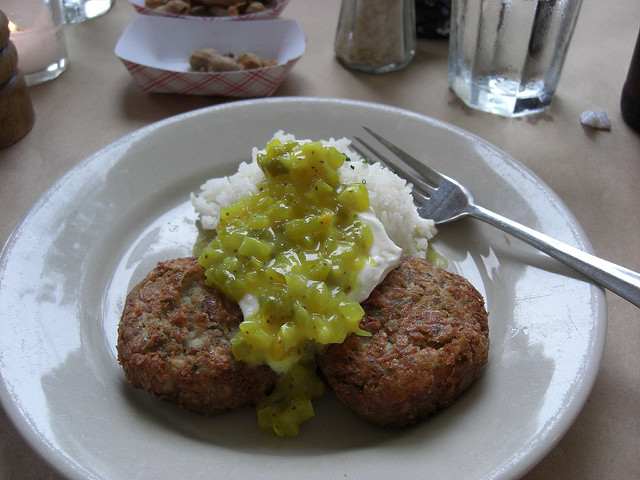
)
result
[(619, 280)]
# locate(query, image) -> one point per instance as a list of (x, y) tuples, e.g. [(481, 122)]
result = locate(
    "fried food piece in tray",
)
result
[(211, 8), (210, 60)]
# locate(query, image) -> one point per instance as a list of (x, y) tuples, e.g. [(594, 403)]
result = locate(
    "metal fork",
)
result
[(443, 199)]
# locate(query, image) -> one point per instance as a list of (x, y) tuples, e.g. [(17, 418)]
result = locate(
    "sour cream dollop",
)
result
[(384, 256)]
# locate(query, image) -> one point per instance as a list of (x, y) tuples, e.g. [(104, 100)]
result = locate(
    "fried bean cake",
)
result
[(174, 341), (429, 342)]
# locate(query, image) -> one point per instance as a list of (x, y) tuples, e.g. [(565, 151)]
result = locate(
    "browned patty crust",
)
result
[(173, 341), (430, 342)]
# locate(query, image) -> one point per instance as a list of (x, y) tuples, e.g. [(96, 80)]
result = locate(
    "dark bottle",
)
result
[(630, 100), (433, 18)]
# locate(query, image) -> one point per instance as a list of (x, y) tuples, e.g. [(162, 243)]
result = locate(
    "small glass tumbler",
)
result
[(76, 11), (36, 31), (505, 57), (376, 36)]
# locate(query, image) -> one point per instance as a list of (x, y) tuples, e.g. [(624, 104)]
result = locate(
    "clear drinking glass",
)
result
[(75, 11), (506, 56), (36, 30), (376, 36)]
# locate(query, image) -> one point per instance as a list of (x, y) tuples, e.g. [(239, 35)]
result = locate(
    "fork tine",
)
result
[(432, 175), (420, 197), (422, 189)]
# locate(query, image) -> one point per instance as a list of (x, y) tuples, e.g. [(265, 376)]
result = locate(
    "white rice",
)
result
[(390, 195)]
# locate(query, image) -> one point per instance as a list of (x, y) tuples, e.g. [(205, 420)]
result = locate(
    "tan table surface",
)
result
[(596, 173)]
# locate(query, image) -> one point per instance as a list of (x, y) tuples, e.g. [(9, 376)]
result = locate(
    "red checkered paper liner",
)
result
[(259, 82), (267, 14)]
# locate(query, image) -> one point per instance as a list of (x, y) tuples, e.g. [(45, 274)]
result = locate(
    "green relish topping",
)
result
[(290, 254)]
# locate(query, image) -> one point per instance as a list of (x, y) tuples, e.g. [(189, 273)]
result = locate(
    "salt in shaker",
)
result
[(376, 36)]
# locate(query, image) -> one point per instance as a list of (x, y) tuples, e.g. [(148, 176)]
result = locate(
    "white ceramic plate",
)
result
[(67, 268)]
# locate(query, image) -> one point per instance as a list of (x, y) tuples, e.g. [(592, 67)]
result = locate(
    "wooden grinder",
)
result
[(16, 111)]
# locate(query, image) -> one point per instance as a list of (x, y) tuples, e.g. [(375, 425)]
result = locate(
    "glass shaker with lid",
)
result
[(376, 36)]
